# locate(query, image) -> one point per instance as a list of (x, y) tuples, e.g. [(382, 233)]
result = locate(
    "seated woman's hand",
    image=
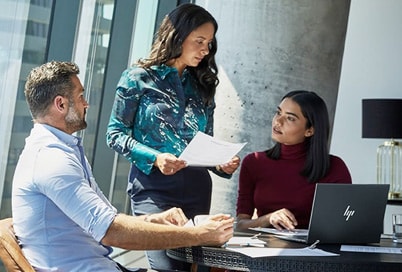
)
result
[(283, 219)]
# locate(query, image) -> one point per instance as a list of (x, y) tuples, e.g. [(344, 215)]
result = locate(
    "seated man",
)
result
[(62, 219)]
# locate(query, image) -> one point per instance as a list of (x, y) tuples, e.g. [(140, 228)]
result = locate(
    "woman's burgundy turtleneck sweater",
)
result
[(269, 185)]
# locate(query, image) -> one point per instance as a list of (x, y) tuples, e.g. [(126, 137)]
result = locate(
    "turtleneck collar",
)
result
[(291, 152)]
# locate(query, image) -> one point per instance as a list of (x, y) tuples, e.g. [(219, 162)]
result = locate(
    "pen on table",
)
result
[(313, 245), (255, 236)]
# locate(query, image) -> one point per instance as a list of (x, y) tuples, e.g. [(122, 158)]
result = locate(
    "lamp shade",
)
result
[(382, 118)]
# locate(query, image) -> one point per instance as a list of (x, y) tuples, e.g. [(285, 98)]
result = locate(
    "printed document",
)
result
[(208, 151), (298, 232), (255, 252), (371, 249)]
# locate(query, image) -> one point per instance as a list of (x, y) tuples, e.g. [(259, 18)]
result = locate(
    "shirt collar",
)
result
[(69, 139), (163, 70)]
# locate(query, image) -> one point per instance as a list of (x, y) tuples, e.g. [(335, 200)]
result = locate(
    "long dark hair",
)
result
[(174, 29), (315, 111)]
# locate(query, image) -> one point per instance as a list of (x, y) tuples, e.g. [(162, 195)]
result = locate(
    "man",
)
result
[(62, 219)]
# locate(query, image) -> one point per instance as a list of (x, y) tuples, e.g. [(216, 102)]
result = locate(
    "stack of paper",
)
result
[(269, 252), (244, 242)]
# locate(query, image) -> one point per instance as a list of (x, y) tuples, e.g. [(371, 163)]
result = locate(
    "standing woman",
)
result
[(280, 182), (160, 104)]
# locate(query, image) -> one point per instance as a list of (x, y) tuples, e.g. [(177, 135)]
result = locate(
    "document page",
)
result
[(295, 232), (371, 249), (238, 241), (208, 151), (255, 252)]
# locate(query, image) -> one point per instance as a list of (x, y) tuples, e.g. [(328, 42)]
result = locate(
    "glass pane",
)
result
[(119, 197), (90, 54), (24, 31), (141, 44)]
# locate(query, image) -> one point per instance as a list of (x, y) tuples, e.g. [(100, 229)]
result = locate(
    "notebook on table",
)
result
[(342, 213)]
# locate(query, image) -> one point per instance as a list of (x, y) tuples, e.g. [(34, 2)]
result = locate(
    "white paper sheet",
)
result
[(208, 151), (371, 249), (238, 241), (255, 252), (282, 232)]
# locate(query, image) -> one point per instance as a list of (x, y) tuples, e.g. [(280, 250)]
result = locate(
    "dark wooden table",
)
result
[(346, 261)]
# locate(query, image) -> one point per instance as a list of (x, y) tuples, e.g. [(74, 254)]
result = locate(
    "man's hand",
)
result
[(173, 216), (217, 230)]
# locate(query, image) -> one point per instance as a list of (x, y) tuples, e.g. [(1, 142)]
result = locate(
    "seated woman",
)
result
[(279, 183)]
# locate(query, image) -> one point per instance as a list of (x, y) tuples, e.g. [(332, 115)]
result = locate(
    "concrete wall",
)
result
[(265, 49)]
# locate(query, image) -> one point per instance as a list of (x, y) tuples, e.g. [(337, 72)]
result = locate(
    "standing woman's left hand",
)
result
[(229, 167)]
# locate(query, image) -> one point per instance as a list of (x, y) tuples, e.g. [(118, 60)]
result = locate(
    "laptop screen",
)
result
[(348, 213)]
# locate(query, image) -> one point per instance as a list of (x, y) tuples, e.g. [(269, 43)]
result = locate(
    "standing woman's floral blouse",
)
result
[(160, 110)]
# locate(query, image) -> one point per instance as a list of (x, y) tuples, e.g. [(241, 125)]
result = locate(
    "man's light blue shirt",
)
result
[(59, 213)]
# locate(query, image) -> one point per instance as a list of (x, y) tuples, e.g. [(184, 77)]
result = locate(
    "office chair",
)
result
[(10, 252)]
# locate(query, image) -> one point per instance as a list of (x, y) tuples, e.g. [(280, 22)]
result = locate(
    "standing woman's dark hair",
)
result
[(174, 29), (315, 111)]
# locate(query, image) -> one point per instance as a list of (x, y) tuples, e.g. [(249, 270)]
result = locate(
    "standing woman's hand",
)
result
[(230, 167), (169, 164)]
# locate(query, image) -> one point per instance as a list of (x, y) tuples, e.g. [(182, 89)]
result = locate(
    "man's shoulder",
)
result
[(44, 136), (44, 153)]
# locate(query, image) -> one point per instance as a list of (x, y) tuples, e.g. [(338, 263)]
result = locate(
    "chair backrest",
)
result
[(10, 252)]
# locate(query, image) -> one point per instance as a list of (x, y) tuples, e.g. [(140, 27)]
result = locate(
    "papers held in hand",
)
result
[(208, 151)]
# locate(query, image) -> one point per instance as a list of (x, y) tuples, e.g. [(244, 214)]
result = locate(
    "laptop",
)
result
[(342, 213)]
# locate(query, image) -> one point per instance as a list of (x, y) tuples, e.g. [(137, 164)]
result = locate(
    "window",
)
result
[(22, 46), (103, 37)]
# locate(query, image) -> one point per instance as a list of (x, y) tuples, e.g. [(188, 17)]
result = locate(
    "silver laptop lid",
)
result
[(348, 213)]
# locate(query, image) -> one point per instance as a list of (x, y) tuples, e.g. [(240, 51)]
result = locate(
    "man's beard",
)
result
[(73, 120)]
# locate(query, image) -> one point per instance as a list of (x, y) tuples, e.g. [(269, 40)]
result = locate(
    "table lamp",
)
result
[(382, 118)]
